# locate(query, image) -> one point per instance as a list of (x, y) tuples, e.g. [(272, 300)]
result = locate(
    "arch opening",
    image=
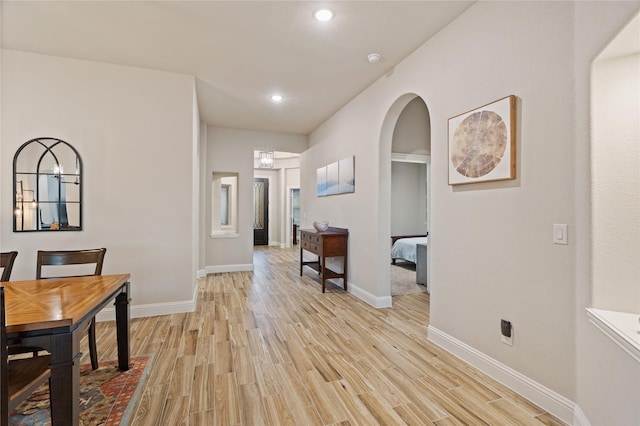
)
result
[(404, 197)]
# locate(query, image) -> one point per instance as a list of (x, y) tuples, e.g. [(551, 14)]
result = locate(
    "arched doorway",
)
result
[(405, 137)]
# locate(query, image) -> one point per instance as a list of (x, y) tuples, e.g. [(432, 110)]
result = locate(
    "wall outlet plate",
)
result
[(507, 332), (505, 328), (508, 340)]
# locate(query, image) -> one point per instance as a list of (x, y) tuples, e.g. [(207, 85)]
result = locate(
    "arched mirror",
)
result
[(47, 186)]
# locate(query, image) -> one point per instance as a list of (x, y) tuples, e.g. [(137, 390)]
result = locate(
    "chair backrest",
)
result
[(6, 263), (69, 257)]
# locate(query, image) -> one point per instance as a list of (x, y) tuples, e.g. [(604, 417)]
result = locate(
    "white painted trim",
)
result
[(535, 392), (224, 234), (410, 158), (152, 309), (579, 418), (248, 267), (201, 273), (365, 296), (622, 328)]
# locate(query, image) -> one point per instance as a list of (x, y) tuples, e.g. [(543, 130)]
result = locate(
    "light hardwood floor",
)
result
[(268, 348)]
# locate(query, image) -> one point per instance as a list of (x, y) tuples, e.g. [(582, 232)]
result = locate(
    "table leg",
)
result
[(344, 270), (65, 380), (322, 272), (122, 328)]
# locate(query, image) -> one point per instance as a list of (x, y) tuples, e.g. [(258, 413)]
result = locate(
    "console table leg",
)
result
[(344, 270)]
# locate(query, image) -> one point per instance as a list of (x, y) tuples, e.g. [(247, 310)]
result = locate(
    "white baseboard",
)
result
[(579, 418), (201, 273), (247, 267), (547, 399), (152, 309), (365, 296)]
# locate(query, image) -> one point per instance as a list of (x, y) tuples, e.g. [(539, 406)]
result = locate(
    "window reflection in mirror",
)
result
[(224, 211), (47, 186)]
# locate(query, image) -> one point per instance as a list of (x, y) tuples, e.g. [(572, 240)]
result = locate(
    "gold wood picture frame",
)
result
[(482, 143)]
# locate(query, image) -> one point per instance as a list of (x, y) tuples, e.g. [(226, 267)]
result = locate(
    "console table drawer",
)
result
[(313, 248), (312, 238)]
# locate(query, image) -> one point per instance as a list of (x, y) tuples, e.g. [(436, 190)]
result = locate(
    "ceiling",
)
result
[(240, 52)]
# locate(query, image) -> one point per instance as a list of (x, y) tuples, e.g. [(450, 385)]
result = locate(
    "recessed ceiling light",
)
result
[(276, 98), (323, 15), (373, 57)]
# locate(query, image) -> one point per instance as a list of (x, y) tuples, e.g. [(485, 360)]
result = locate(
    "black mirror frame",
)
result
[(48, 149)]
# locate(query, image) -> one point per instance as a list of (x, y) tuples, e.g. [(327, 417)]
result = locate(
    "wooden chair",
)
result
[(6, 263), (75, 257), (20, 377)]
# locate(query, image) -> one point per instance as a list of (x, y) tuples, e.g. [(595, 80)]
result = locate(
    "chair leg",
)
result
[(93, 351)]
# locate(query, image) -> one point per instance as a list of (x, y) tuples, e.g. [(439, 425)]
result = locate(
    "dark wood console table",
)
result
[(330, 243)]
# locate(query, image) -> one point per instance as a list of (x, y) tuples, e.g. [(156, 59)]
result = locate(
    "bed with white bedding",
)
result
[(412, 248), (405, 248)]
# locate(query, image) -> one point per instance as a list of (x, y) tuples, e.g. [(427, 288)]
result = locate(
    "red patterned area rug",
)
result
[(107, 395)]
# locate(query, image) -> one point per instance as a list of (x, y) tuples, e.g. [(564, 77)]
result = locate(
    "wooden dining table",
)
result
[(53, 314)]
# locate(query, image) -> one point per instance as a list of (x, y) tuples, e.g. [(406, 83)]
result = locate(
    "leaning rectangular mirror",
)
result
[(47, 186)]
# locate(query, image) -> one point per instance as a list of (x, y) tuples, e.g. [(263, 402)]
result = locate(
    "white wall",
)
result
[(202, 208), (412, 133), (492, 254), (134, 130), (231, 150), (616, 183), (408, 199), (292, 176), (196, 160)]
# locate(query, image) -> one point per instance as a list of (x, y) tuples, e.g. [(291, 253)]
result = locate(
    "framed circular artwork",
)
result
[(482, 143)]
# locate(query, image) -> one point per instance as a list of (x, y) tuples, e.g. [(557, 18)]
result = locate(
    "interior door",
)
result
[(260, 211)]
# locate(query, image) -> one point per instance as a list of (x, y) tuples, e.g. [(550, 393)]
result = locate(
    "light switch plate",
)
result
[(560, 233)]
